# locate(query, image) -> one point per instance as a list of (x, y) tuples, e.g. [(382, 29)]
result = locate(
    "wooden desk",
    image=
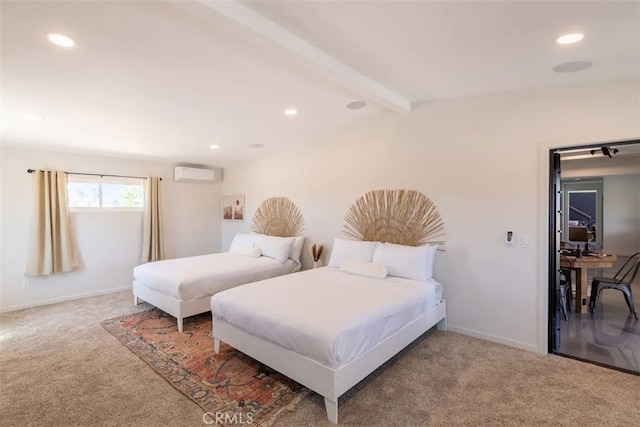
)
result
[(580, 265)]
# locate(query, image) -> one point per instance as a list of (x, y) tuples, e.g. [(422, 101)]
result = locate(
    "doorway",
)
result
[(594, 202), (582, 200)]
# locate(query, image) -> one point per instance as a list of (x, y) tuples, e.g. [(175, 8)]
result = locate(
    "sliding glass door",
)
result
[(594, 197)]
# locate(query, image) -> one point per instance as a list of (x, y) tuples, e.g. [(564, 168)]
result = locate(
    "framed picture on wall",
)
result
[(233, 207)]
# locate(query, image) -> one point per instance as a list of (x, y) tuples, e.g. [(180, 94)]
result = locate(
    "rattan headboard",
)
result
[(278, 216), (404, 217)]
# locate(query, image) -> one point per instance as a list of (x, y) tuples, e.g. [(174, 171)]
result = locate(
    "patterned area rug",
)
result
[(231, 387)]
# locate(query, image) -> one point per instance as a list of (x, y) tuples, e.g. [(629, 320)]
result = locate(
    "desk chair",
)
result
[(621, 282), (565, 292)]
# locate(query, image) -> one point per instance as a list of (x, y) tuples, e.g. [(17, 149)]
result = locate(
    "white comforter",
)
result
[(324, 314), (187, 279)]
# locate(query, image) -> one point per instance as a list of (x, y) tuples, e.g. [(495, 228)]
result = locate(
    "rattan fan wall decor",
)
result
[(404, 217), (278, 216)]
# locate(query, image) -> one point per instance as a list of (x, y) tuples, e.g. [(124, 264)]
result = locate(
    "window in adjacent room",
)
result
[(88, 192)]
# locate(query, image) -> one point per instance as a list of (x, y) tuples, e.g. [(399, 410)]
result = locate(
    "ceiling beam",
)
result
[(362, 84)]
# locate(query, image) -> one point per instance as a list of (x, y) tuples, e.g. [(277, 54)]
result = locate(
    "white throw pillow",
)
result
[(241, 239), (296, 248), (350, 249), (410, 262), (277, 248), (431, 259), (250, 251), (363, 268)]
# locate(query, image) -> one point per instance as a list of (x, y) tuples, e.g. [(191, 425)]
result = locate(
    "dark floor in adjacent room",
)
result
[(611, 335)]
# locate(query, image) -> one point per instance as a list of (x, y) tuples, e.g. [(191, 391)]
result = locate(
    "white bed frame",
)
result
[(172, 306), (328, 382)]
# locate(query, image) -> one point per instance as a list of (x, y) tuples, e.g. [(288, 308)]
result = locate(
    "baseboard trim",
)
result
[(493, 338), (68, 298)]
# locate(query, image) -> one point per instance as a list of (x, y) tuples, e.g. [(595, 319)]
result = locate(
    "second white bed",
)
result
[(183, 287), (187, 279), (325, 314)]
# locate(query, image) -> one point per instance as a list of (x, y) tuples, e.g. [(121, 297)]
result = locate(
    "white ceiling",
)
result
[(165, 80)]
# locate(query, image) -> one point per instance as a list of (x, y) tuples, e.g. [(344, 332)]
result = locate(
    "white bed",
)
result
[(182, 287), (328, 328), (324, 328)]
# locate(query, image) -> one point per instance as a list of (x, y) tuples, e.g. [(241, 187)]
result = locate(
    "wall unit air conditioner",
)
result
[(189, 174)]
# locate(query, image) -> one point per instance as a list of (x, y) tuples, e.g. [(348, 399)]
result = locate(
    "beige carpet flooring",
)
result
[(59, 367)]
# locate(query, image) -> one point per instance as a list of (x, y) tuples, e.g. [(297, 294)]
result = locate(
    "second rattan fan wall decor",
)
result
[(404, 217)]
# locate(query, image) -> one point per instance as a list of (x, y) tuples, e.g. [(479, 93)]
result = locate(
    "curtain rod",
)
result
[(97, 174)]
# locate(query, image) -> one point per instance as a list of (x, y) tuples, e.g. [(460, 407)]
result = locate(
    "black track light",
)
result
[(609, 152)]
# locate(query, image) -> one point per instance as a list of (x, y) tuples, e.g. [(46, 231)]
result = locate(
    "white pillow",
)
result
[(431, 258), (241, 239), (250, 251), (363, 268), (296, 248), (350, 249), (277, 248), (410, 262)]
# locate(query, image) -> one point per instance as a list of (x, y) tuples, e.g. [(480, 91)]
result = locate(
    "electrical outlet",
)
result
[(26, 284)]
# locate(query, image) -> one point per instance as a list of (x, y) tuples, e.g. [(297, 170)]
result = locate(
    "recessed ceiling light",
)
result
[(570, 38), (290, 112), (570, 67), (33, 117), (61, 40), (257, 145), (356, 105), (214, 146)]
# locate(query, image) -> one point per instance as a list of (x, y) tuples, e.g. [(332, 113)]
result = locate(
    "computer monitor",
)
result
[(578, 234)]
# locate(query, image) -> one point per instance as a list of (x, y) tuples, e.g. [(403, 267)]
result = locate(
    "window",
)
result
[(582, 201), (87, 192)]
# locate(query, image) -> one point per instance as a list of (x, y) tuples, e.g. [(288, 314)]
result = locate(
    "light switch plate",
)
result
[(527, 240)]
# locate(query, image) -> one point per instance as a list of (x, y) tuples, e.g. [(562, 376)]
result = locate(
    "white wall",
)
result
[(483, 161), (621, 214), (109, 243)]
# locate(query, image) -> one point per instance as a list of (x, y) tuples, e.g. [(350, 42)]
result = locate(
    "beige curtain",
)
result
[(51, 246), (152, 223)]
